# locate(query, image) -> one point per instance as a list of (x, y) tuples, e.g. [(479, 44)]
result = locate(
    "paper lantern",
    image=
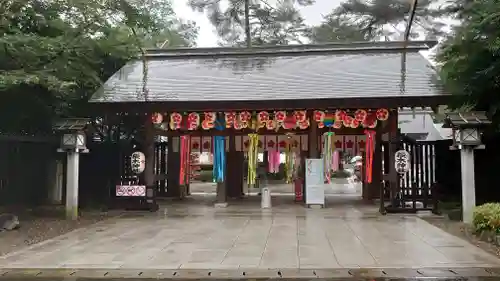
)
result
[(271, 124), (304, 124), (300, 115), (193, 121), (137, 162), (319, 116), (156, 118), (230, 118), (209, 121), (175, 121), (347, 121), (262, 119), (360, 115), (382, 114)]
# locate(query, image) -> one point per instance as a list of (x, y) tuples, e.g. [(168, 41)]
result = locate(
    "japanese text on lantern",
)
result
[(402, 161)]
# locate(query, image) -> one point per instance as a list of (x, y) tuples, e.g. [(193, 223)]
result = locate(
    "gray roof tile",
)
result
[(291, 75)]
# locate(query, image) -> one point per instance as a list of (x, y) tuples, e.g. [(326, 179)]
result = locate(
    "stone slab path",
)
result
[(195, 235)]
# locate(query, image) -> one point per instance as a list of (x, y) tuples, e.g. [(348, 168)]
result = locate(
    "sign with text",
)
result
[(315, 182)]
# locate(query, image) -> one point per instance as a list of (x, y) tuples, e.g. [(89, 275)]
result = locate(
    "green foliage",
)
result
[(276, 24), (333, 29), (487, 218), (469, 60), (379, 19), (55, 54)]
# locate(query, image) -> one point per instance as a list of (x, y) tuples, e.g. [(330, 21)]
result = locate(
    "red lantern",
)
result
[(360, 115), (175, 121), (300, 115), (382, 114), (319, 116), (355, 123), (348, 121), (193, 121), (230, 118)]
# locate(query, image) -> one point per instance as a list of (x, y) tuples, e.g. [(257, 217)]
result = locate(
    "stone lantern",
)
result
[(73, 142), (467, 130)]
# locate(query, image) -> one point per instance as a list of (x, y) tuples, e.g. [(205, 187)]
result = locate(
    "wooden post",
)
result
[(313, 139), (173, 167), (393, 147), (149, 174), (376, 184)]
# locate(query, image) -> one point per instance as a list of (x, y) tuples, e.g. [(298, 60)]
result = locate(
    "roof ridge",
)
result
[(354, 47)]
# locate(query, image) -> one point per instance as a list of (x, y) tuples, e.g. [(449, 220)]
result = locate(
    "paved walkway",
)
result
[(194, 235)]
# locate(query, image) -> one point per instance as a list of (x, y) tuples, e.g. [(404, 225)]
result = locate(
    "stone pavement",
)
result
[(192, 234)]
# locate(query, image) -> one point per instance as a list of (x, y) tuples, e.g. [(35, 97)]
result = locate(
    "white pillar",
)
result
[(468, 183), (72, 185)]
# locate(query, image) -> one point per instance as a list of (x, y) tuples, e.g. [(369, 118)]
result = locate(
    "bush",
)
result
[(487, 218)]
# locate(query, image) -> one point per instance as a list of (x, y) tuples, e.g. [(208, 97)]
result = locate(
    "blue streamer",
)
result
[(219, 158)]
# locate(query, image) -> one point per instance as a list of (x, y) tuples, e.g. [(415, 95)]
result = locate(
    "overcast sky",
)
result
[(312, 14)]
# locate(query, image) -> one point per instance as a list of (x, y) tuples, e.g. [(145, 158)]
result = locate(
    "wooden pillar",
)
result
[(149, 173), (394, 142), (376, 184), (173, 167), (231, 169), (313, 139)]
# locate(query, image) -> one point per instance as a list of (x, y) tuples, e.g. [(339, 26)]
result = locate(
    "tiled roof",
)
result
[(337, 71)]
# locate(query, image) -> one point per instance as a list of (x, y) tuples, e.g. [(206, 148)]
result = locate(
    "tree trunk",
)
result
[(248, 36)]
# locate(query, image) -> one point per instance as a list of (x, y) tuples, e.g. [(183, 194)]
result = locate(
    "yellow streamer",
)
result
[(253, 150)]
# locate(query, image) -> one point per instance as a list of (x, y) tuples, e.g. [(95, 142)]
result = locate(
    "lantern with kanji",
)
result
[(156, 118), (382, 114), (209, 120), (262, 118), (193, 121), (230, 118), (175, 121)]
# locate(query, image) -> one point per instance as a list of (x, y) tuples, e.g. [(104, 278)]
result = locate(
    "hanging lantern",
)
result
[(290, 122), (262, 119), (193, 121), (230, 118), (304, 124), (175, 121), (156, 118), (340, 115), (319, 115), (271, 124), (209, 121), (382, 114), (369, 120), (279, 118), (355, 123), (300, 115), (360, 115), (137, 162), (348, 121), (337, 124), (245, 118)]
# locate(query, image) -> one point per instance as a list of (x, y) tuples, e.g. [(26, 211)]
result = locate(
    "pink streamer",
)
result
[(335, 161), (274, 161)]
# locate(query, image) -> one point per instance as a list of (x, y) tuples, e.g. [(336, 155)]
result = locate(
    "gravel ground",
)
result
[(39, 225), (461, 230)]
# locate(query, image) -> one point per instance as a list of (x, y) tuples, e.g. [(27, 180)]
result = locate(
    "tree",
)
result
[(334, 29), (381, 19), (469, 62), (257, 22), (55, 54)]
